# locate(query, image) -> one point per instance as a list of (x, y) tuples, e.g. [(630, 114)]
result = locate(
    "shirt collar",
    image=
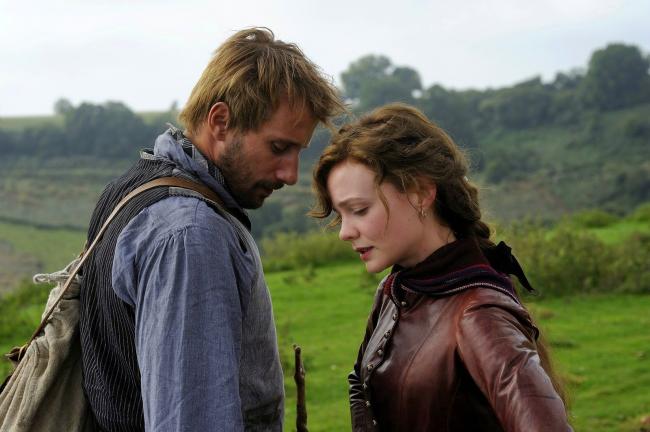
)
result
[(175, 146), (191, 150)]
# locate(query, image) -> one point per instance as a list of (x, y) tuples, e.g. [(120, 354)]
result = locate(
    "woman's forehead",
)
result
[(350, 180)]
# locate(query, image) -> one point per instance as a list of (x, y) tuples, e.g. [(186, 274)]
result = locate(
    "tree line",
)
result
[(109, 130), (616, 77)]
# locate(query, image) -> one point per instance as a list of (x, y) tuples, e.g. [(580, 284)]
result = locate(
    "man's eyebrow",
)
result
[(289, 142)]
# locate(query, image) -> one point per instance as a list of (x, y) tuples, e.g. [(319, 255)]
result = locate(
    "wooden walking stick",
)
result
[(301, 404)]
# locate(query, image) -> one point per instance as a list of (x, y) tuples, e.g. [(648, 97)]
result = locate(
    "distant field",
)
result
[(51, 247), (26, 250), (54, 192)]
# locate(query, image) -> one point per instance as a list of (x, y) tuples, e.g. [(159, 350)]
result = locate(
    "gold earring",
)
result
[(423, 213)]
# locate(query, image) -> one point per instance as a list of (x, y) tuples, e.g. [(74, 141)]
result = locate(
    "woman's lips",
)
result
[(364, 253)]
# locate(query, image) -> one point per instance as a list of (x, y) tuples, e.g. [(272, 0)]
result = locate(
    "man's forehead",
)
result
[(290, 129)]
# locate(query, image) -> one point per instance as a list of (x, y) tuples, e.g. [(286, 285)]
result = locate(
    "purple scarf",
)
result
[(458, 266)]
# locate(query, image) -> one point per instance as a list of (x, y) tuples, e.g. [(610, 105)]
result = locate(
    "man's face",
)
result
[(255, 163)]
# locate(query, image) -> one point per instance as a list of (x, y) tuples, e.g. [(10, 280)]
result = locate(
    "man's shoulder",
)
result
[(178, 215)]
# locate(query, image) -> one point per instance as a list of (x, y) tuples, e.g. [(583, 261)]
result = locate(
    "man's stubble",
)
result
[(239, 175)]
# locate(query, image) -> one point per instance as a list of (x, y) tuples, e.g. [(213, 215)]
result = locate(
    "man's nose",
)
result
[(287, 173)]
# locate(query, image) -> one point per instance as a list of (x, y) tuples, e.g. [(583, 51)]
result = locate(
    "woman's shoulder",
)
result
[(486, 302), (486, 293)]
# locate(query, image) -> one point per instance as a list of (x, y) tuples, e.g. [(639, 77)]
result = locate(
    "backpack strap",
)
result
[(179, 182)]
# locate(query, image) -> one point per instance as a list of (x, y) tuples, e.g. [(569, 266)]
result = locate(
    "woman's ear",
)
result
[(427, 195), (422, 197)]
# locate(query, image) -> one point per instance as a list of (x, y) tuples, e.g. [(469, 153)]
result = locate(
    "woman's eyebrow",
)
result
[(346, 202)]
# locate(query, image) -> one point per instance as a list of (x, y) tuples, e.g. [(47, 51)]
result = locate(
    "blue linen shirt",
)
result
[(204, 331)]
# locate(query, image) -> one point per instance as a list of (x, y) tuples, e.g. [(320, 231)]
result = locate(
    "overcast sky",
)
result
[(149, 53)]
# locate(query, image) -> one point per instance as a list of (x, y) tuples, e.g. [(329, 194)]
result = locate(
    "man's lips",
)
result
[(268, 187)]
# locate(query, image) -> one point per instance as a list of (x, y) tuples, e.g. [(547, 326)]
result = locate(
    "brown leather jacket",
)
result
[(462, 362)]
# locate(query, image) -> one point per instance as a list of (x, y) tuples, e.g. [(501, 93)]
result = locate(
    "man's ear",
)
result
[(217, 121)]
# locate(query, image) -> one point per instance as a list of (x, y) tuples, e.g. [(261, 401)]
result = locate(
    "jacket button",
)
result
[(387, 333), (370, 366), (380, 352), (374, 422), (365, 386), (404, 304), (395, 316), (368, 403)]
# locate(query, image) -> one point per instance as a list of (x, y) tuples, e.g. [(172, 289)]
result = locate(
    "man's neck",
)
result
[(203, 142)]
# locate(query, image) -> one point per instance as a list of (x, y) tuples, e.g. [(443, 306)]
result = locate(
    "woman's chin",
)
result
[(375, 267)]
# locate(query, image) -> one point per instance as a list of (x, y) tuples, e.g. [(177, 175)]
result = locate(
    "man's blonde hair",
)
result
[(250, 73)]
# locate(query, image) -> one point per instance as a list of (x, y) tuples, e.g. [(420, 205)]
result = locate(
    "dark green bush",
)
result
[(562, 261), (641, 214), (630, 264), (286, 251), (637, 127), (559, 260), (594, 218), (568, 259)]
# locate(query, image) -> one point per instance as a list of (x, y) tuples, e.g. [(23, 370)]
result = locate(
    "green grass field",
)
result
[(602, 347), (623, 229), (601, 344)]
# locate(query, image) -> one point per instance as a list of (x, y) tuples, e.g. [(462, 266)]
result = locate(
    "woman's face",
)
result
[(380, 240)]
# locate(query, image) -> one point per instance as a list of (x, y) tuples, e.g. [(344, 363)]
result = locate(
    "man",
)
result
[(176, 323)]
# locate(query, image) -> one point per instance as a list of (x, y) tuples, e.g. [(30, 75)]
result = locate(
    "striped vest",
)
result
[(111, 377)]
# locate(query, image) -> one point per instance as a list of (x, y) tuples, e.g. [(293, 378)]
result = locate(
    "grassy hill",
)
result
[(601, 160)]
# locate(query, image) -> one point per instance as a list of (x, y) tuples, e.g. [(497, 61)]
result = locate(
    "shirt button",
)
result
[(368, 403), (395, 316), (370, 366)]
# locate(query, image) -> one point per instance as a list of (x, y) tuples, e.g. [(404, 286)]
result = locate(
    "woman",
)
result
[(448, 346)]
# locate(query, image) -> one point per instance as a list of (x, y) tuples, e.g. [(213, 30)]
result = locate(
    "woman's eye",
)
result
[(360, 212)]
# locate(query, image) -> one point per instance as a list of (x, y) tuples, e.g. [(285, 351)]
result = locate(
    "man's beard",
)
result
[(238, 173)]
